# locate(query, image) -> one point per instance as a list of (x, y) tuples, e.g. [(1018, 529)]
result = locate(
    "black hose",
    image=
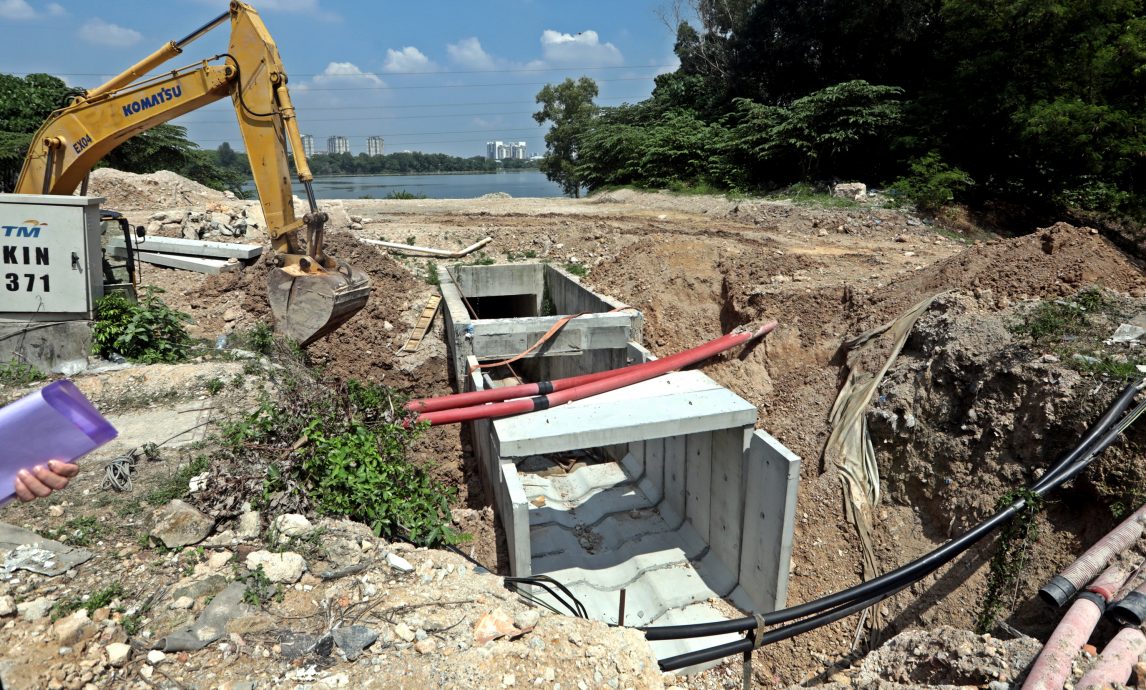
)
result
[(918, 568), (1062, 473)]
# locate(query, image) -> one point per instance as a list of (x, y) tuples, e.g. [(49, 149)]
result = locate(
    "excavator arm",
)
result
[(310, 292)]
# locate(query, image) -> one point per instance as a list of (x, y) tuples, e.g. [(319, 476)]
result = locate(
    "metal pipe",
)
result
[(202, 30), (165, 53), (444, 253)]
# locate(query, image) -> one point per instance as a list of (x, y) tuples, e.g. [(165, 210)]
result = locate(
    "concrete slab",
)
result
[(679, 403), (175, 245), (186, 263)]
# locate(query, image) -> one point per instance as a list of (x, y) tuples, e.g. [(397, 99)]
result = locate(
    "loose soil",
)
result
[(696, 267)]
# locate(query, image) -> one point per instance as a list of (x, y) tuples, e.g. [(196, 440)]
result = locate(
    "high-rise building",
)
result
[(498, 150), (307, 145), (374, 146), (337, 144)]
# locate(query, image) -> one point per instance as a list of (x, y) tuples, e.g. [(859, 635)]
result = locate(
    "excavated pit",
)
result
[(662, 490)]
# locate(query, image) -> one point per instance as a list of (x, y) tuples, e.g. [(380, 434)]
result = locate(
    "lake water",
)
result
[(523, 183)]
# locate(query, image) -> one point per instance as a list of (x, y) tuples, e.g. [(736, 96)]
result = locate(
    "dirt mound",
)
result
[(1054, 261), (126, 191)]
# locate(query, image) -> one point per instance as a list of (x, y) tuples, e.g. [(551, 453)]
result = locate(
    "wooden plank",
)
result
[(187, 263), (423, 325), (175, 245)]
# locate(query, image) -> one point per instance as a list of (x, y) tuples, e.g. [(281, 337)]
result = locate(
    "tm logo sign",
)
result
[(29, 228)]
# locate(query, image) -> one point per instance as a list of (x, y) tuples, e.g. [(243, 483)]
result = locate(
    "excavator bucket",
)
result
[(307, 306)]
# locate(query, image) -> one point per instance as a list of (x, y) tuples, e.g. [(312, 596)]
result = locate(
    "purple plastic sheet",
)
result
[(55, 423)]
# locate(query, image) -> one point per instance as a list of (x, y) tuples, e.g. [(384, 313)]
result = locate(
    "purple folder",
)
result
[(55, 423)]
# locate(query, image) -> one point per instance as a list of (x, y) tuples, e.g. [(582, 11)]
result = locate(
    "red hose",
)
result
[(619, 379), (449, 402), (1053, 666), (1116, 662)]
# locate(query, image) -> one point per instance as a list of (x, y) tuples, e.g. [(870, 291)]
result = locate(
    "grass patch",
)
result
[(175, 486), (432, 276), (96, 600), (811, 195), (16, 373), (578, 270), (80, 531), (1075, 330)]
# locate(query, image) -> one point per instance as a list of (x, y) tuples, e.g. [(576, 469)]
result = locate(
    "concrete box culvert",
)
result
[(516, 304), (664, 489)]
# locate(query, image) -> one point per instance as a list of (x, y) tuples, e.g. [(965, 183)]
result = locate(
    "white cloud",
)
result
[(311, 7), (583, 49), (102, 33), (16, 9), (468, 53), (56, 10), (407, 60), (342, 75)]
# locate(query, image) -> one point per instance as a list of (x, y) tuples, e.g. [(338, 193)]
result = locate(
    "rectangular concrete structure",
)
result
[(175, 245), (533, 297), (663, 488)]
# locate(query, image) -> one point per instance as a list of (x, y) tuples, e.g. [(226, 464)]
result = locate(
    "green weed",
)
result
[(175, 486), (215, 385), (578, 270), (80, 531), (259, 588), (97, 600), (16, 373), (1010, 557), (432, 276)]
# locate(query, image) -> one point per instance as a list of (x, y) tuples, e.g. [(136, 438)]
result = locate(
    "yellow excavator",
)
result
[(310, 292)]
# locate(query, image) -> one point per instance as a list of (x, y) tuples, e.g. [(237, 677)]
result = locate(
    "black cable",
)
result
[(542, 581), (1063, 473), (909, 572), (239, 88)]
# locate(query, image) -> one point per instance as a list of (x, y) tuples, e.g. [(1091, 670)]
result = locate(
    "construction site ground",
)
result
[(986, 410)]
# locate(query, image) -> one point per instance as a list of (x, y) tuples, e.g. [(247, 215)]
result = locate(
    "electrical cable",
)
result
[(575, 607), (1093, 443), (909, 572)]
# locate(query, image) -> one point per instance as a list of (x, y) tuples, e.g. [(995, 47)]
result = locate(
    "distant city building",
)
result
[(499, 150), (374, 146), (337, 144), (307, 145)]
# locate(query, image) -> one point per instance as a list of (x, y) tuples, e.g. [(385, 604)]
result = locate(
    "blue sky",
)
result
[(442, 76)]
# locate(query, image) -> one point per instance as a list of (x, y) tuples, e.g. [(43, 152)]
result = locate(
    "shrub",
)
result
[(403, 194), (932, 184), (148, 331), (341, 452)]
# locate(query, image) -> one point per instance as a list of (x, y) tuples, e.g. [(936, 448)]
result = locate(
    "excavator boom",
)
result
[(310, 292)]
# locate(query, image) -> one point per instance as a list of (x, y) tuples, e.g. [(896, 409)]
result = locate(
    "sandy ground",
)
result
[(696, 267)]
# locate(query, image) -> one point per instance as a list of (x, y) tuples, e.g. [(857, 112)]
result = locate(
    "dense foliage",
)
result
[(146, 331), (407, 162), (1038, 105)]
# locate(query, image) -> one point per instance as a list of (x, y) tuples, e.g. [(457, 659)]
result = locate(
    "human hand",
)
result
[(42, 480)]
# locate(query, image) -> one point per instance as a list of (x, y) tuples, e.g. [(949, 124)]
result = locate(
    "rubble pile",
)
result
[(126, 191)]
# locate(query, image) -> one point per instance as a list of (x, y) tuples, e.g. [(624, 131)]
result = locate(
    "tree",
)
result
[(226, 155), (24, 105), (569, 106)]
